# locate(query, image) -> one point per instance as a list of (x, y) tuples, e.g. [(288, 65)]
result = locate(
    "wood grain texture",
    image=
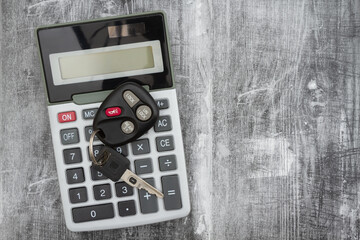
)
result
[(269, 93)]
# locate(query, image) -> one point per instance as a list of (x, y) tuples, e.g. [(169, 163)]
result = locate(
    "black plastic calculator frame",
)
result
[(94, 34)]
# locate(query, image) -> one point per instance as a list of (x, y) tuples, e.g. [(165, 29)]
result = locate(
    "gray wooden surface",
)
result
[(269, 95)]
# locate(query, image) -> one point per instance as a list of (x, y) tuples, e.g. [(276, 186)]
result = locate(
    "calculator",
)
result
[(82, 62)]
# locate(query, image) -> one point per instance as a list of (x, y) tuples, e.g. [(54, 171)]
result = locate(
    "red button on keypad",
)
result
[(67, 117), (113, 111)]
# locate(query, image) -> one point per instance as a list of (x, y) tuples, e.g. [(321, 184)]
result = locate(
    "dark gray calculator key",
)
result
[(75, 175), (171, 190), (143, 166), (167, 163), (148, 202), (89, 113), (127, 208), (93, 213), (163, 123), (162, 103), (72, 155), (96, 150), (88, 132), (165, 143), (78, 195), (69, 136), (140, 146), (96, 175), (102, 191), (123, 150), (123, 189)]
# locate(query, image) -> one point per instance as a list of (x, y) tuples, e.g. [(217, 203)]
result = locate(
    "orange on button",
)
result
[(113, 111), (67, 117)]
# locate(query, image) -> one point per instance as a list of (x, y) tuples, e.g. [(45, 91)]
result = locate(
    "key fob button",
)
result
[(143, 113), (127, 127), (130, 98), (113, 111)]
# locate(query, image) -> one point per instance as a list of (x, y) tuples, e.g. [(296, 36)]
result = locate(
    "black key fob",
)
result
[(114, 165), (125, 115)]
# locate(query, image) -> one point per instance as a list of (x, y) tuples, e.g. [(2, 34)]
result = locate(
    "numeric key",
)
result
[(75, 175), (123, 189), (96, 175), (92, 213), (72, 155), (96, 150), (78, 195), (123, 150), (102, 191)]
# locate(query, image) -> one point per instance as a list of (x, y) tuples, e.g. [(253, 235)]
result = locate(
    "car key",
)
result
[(125, 115), (116, 166)]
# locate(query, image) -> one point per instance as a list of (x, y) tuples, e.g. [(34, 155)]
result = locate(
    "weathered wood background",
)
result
[(269, 95)]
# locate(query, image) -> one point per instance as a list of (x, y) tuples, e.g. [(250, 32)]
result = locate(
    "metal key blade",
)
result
[(135, 181)]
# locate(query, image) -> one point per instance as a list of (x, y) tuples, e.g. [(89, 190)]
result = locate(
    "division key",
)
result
[(92, 213)]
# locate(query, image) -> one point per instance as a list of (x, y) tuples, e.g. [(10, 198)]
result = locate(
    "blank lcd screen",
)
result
[(92, 64)]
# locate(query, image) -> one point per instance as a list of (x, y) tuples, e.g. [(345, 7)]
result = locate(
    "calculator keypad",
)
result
[(91, 196)]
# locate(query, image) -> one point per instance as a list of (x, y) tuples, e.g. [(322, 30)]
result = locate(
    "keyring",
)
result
[(91, 150)]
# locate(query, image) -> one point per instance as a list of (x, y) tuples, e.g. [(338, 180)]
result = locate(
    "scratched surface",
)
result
[(269, 93)]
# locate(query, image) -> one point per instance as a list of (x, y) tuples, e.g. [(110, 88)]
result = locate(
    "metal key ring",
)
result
[(91, 150)]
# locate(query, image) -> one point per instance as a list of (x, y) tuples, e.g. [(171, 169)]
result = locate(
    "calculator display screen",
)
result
[(106, 63)]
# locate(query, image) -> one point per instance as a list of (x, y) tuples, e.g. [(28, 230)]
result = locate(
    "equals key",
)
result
[(171, 190)]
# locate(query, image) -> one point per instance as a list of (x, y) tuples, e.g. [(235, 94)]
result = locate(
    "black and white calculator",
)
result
[(82, 63)]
